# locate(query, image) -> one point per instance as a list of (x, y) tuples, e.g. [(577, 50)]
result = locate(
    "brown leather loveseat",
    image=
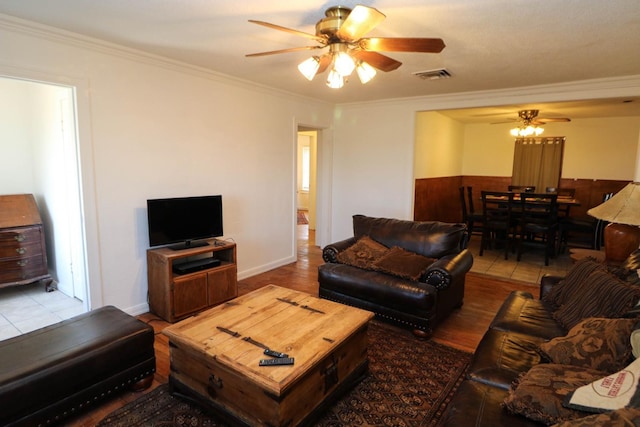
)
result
[(408, 272), (539, 350)]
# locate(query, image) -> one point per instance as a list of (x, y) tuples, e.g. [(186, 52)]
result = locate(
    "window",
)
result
[(538, 162)]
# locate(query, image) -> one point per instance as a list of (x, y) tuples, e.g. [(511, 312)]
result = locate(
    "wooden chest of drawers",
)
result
[(23, 255)]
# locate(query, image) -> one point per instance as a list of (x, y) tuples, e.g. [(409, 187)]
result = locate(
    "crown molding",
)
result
[(68, 38), (580, 90)]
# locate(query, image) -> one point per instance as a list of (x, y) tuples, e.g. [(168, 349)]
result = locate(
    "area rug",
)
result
[(410, 383), (302, 218)]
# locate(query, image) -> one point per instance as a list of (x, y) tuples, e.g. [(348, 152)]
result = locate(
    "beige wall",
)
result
[(596, 148), (439, 146)]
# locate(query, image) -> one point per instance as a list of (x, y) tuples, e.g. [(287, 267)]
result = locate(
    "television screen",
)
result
[(184, 220)]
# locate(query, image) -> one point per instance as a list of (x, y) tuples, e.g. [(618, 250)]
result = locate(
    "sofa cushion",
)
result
[(538, 394), (572, 284), (363, 253), (521, 313), (477, 404), (402, 263), (501, 356), (373, 289), (596, 343), (432, 239), (602, 295)]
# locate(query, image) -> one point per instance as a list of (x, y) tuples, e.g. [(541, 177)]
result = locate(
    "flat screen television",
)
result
[(184, 220)]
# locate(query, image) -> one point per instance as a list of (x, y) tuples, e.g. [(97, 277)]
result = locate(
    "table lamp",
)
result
[(622, 211)]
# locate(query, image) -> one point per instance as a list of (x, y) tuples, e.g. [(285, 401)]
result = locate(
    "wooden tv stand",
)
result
[(174, 296)]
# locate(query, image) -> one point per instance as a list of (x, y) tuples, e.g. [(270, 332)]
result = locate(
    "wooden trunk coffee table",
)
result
[(215, 355)]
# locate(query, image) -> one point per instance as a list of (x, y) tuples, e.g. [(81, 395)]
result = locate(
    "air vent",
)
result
[(440, 73)]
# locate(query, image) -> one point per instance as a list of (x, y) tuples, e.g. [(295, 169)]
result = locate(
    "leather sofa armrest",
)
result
[(330, 252), (547, 282), (441, 273)]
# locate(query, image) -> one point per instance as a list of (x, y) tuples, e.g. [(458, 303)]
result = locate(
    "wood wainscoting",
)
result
[(438, 199)]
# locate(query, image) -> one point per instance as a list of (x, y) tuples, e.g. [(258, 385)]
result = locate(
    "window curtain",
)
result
[(538, 162)]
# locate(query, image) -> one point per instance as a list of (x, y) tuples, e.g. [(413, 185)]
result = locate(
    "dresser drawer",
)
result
[(18, 242), (18, 269)]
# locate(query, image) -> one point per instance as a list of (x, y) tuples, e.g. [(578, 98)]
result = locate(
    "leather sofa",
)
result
[(511, 346), (418, 302)]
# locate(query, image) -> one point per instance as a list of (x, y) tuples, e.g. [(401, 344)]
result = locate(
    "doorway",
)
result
[(306, 184), (42, 135)]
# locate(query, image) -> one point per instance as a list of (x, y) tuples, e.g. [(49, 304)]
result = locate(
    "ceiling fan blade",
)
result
[(289, 30), (401, 44), (377, 60), (552, 119), (505, 121), (360, 21), (291, 49)]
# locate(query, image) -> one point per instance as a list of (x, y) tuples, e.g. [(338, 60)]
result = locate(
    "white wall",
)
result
[(373, 164), (158, 129), (16, 173)]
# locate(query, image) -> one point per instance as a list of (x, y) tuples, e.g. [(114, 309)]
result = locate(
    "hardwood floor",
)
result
[(463, 329)]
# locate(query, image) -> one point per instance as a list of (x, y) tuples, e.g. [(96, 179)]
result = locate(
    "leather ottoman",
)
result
[(56, 371)]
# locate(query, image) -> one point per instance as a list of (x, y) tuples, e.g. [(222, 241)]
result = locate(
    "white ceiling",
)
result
[(490, 44)]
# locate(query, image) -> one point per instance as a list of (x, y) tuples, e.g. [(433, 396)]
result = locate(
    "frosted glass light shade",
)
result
[(309, 67), (365, 72), (527, 131), (343, 63), (335, 79)]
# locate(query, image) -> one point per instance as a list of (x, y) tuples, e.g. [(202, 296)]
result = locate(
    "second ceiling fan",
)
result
[(530, 123), (342, 30)]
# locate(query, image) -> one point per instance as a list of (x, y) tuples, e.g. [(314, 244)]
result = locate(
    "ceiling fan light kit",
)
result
[(531, 123), (341, 30)]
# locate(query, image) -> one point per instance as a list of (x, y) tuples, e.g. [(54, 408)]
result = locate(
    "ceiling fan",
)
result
[(530, 117), (342, 30), (530, 123)]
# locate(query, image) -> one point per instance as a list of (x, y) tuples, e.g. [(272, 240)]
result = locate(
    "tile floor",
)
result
[(26, 308), (29, 307), (530, 268)]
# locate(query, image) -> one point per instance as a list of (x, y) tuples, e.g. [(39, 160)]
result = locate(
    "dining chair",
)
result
[(563, 209), (475, 218), (498, 225), (538, 223), (522, 188), (583, 232), (463, 205)]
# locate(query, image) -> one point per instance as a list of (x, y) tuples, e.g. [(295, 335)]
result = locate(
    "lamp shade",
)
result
[(309, 67), (622, 208)]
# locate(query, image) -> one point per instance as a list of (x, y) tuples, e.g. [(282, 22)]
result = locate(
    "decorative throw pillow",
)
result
[(538, 393), (612, 392), (624, 417), (403, 263), (362, 253), (596, 343), (628, 271), (602, 295), (572, 284)]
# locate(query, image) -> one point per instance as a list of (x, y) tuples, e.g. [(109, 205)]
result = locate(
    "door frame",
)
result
[(84, 145)]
